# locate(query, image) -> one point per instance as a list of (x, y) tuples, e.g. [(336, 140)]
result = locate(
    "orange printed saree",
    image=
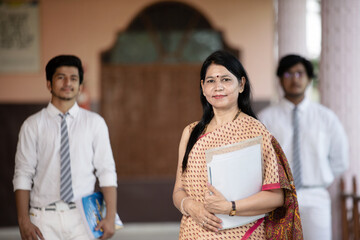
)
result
[(194, 181)]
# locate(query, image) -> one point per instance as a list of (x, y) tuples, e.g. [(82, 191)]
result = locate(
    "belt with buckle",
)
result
[(52, 207)]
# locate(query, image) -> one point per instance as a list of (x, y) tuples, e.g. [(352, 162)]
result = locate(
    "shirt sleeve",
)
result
[(25, 157), (103, 157), (339, 147)]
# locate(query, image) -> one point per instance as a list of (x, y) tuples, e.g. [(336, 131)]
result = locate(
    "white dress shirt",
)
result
[(323, 142), (37, 160)]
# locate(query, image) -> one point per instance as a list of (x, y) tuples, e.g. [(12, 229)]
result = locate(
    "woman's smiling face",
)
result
[(220, 87)]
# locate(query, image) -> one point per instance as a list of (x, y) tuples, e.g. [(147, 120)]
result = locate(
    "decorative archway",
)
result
[(150, 92), (150, 86)]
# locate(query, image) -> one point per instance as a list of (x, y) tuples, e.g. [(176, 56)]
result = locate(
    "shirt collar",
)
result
[(53, 111), (290, 106)]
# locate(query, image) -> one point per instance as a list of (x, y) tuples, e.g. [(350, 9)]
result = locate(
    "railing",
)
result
[(350, 211)]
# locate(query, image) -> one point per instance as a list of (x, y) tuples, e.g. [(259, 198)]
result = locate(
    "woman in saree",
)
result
[(227, 119)]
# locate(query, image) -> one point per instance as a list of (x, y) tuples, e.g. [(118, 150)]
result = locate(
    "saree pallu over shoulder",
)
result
[(284, 222)]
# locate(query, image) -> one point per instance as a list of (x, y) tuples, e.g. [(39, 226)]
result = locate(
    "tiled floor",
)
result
[(131, 231)]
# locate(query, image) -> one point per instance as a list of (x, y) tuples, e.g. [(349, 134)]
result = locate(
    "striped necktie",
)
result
[(66, 191), (296, 169)]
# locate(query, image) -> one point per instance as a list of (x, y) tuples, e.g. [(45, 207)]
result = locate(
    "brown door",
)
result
[(146, 108)]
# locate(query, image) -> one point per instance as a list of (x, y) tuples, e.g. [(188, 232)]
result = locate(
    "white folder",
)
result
[(236, 171)]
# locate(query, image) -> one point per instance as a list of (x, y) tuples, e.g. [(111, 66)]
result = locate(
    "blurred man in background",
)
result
[(314, 142)]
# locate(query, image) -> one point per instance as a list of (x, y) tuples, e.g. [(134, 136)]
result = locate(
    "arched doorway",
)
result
[(150, 92)]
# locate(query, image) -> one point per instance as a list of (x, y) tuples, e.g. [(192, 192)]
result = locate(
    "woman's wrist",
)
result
[(182, 208), (228, 207)]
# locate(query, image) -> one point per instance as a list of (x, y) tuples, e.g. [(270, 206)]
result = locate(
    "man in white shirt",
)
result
[(48, 181), (321, 146)]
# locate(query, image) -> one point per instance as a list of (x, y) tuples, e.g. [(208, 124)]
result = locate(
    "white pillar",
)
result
[(291, 24), (340, 80), (291, 33)]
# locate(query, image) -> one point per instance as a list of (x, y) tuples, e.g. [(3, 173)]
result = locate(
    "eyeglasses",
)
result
[(289, 75)]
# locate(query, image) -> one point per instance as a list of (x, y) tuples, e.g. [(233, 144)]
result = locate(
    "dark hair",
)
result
[(63, 60), (233, 65), (290, 60)]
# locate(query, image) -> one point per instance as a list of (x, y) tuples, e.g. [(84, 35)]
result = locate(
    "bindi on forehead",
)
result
[(217, 76)]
